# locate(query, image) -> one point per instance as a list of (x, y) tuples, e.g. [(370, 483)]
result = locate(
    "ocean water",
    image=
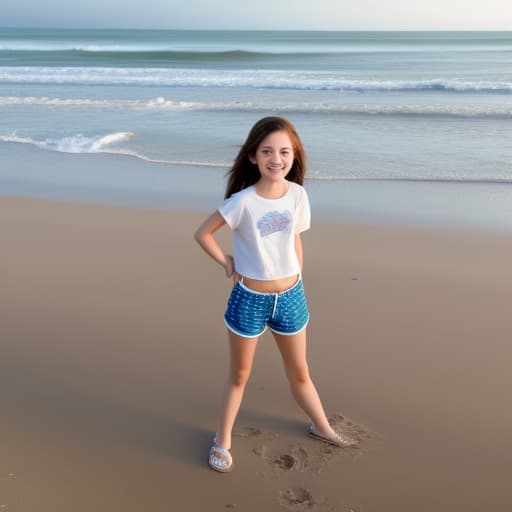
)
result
[(386, 117)]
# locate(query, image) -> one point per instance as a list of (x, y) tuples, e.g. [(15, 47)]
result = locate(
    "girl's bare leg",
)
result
[(293, 352), (242, 352)]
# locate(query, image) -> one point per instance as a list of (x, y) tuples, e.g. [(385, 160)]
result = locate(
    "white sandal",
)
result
[(337, 440), (220, 459)]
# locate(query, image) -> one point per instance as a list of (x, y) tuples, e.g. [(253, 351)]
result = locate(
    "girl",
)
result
[(267, 208)]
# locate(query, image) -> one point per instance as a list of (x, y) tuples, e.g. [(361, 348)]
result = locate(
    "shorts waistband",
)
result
[(298, 283)]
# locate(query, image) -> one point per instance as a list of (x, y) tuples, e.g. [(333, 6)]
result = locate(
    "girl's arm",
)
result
[(204, 237), (298, 250)]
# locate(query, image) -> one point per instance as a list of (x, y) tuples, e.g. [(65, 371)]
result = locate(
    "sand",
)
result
[(113, 356)]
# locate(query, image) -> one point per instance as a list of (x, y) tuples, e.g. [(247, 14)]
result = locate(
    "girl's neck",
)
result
[(270, 190)]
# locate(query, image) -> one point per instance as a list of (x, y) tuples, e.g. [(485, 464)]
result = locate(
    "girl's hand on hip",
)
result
[(230, 269), (229, 265)]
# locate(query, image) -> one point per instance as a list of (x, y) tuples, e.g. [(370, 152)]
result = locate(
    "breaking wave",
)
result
[(261, 78), (164, 104), (79, 143)]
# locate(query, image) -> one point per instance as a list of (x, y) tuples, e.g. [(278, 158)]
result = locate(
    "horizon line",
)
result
[(435, 30)]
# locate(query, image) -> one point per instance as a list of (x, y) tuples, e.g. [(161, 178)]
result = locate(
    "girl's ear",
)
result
[(252, 159)]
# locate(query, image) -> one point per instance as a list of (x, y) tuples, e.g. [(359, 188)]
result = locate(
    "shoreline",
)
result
[(121, 180), (114, 355)]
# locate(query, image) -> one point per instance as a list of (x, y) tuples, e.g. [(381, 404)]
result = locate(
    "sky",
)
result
[(261, 14)]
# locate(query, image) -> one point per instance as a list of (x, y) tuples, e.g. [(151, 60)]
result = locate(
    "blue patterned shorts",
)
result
[(249, 312)]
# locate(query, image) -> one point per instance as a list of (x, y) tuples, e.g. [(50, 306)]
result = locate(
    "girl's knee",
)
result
[(298, 374), (240, 377)]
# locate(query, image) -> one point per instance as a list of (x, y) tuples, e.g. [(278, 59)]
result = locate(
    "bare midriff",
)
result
[(274, 286)]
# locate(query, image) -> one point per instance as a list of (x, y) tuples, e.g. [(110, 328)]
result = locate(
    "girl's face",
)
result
[(274, 156)]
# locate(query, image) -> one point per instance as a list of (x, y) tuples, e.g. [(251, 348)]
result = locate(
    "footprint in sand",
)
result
[(255, 433), (284, 462), (295, 457), (298, 499)]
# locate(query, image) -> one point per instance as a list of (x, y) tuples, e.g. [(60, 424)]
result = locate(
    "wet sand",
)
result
[(114, 355)]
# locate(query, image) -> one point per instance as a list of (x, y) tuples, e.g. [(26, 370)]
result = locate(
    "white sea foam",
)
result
[(152, 104), (73, 143), (266, 79), (161, 103), (79, 143)]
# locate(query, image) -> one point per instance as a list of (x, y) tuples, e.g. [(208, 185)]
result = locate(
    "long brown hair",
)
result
[(244, 173)]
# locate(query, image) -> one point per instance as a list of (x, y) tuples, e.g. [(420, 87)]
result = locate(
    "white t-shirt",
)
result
[(264, 231)]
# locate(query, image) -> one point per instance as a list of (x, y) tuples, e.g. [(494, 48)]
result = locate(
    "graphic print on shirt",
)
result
[(274, 221)]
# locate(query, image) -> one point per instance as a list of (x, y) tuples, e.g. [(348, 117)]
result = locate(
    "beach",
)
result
[(114, 145), (114, 356)]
